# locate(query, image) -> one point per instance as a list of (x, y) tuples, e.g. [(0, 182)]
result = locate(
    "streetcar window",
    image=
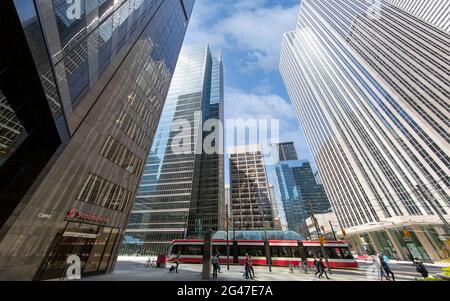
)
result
[(221, 250), (313, 251), (282, 252), (193, 250), (187, 250), (174, 250), (346, 253), (334, 253), (254, 251)]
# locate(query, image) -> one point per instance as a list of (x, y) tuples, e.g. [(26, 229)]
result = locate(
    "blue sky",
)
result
[(249, 35)]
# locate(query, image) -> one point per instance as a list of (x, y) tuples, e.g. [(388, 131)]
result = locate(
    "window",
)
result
[(103, 193), (121, 156)]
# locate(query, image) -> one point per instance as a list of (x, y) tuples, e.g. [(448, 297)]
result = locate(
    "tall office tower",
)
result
[(286, 151), (251, 206), (181, 194), (277, 220), (297, 187), (82, 85), (435, 12), (372, 93)]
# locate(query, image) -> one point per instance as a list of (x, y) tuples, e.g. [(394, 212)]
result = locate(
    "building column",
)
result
[(425, 242), (374, 242), (357, 245), (397, 247)]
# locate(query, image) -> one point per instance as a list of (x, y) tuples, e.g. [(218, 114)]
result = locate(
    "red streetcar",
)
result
[(281, 252)]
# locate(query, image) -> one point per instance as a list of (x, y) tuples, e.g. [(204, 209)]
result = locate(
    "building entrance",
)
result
[(92, 244)]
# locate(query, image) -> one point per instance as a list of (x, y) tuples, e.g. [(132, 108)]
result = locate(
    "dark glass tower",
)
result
[(81, 93), (182, 194), (297, 187)]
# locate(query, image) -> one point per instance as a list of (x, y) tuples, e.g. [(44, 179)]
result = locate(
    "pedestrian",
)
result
[(322, 269), (220, 267), (250, 263), (396, 256), (316, 266), (177, 263), (420, 268), (379, 267), (215, 263), (247, 272), (387, 268)]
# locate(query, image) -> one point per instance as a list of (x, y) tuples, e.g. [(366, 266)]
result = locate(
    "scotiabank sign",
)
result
[(76, 214)]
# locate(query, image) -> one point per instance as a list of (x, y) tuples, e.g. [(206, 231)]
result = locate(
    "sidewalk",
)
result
[(133, 269), (436, 264)]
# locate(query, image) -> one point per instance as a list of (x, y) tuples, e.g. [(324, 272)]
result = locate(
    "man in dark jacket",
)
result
[(322, 268), (420, 268)]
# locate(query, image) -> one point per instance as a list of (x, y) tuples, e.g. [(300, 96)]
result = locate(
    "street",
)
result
[(133, 269)]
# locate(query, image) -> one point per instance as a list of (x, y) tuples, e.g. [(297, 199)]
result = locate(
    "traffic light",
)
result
[(322, 240), (406, 234)]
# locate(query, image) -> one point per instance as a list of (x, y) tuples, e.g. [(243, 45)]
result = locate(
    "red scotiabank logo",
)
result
[(75, 213)]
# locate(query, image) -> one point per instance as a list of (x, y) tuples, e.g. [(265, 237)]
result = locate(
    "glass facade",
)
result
[(297, 187), (371, 93), (83, 88), (12, 131), (181, 194)]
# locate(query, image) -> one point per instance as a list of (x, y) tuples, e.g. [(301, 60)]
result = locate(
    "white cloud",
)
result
[(244, 25), (246, 105)]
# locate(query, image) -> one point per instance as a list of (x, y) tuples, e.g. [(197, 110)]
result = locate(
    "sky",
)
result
[(249, 34)]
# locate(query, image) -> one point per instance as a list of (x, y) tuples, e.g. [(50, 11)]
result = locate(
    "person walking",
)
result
[(247, 272), (215, 263), (396, 256), (177, 263), (316, 266), (379, 267), (220, 267), (420, 268), (387, 269), (322, 269), (250, 264)]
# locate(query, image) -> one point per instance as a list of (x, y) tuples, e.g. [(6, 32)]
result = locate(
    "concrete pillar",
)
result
[(374, 242), (357, 245), (426, 243), (207, 253)]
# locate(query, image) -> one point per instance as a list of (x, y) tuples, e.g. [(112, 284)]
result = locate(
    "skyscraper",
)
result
[(251, 206), (435, 12), (297, 187), (371, 93), (83, 85), (181, 194)]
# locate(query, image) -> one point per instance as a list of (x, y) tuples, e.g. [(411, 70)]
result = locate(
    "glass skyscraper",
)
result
[(371, 91), (181, 195), (82, 87), (297, 187)]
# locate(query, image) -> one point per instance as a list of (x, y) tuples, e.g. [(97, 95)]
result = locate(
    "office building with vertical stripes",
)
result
[(371, 92)]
